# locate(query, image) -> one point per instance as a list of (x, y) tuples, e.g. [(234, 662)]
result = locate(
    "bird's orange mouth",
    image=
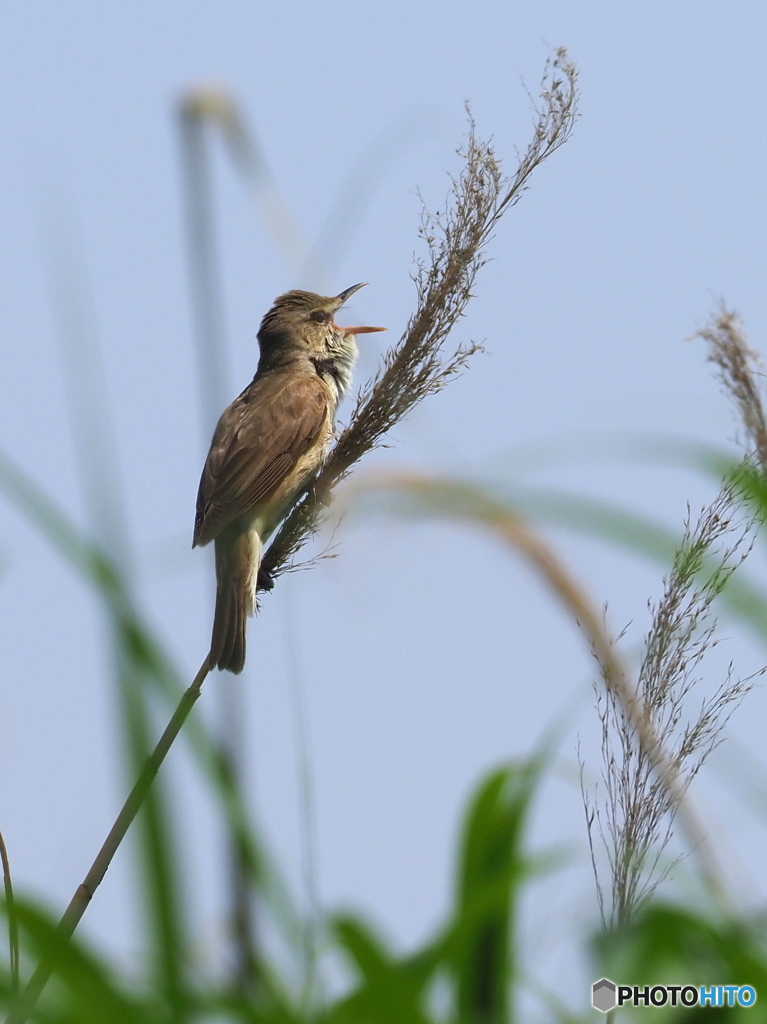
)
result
[(358, 330)]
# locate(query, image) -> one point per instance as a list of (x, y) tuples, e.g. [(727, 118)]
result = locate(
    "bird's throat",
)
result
[(336, 368)]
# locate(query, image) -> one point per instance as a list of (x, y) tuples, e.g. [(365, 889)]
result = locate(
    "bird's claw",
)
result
[(265, 580)]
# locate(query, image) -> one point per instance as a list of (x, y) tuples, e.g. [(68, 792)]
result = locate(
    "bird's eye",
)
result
[(320, 317)]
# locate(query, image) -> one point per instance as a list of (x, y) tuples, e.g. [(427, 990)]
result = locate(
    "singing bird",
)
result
[(268, 445)]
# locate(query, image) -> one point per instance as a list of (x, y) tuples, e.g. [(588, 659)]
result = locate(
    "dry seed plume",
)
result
[(636, 815), (635, 818), (737, 369), (418, 364)]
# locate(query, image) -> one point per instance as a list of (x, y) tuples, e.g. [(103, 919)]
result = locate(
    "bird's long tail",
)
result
[(238, 555)]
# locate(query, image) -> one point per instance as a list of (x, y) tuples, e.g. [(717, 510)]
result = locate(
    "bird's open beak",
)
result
[(342, 297)]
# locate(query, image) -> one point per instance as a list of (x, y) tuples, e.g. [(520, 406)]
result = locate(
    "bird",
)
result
[(268, 446)]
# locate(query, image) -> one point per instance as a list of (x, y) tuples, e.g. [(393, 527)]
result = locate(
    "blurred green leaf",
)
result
[(493, 867), (365, 949), (392, 989), (475, 949), (85, 990)]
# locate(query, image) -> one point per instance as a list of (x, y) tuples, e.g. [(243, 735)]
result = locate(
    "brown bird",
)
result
[(266, 449)]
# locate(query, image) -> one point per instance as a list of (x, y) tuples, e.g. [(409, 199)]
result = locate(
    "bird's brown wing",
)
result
[(257, 444)]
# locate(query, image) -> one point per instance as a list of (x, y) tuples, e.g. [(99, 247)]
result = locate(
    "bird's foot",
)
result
[(265, 580)]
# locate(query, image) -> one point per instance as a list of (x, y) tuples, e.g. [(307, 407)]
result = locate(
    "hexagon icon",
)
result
[(603, 995)]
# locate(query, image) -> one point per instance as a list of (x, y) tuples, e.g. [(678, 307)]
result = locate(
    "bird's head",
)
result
[(303, 323)]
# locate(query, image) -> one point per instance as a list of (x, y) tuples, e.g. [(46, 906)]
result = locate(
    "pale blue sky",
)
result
[(427, 654)]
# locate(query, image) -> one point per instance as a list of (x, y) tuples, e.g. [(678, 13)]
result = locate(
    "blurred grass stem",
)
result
[(13, 924), (307, 803), (214, 107), (197, 108)]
